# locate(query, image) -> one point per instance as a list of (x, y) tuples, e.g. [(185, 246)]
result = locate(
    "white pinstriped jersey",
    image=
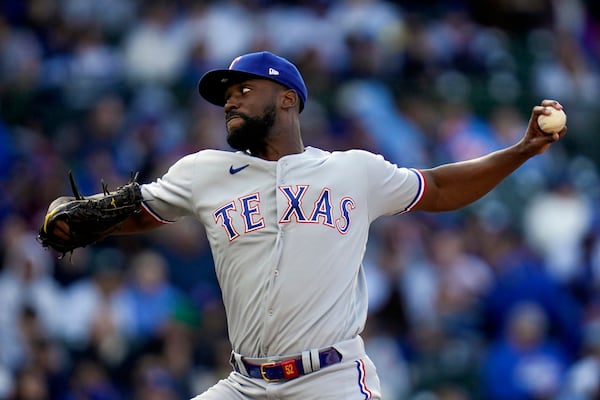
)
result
[(287, 237)]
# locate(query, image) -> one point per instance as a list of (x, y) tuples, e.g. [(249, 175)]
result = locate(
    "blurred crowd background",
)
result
[(500, 301)]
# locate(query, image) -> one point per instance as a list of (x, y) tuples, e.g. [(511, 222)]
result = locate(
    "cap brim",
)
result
[(213, 84)]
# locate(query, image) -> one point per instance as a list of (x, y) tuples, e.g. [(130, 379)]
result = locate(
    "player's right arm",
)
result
[(169, 197), (137, 223)]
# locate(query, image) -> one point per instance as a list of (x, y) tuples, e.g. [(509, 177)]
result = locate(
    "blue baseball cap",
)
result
[(263, 65)]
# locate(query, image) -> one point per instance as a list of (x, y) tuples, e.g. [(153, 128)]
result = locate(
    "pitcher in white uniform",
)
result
[(288, 227)]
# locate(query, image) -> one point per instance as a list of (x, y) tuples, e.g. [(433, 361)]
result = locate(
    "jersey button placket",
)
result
[(282, 170), (270, 301)]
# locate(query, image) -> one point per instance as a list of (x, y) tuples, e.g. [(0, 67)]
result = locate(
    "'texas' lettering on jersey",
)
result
[(322, 211)]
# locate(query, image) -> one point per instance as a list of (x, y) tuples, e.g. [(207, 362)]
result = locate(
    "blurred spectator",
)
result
[(90, 380), (439, 359), (6, 381), (185, 248), (463, 135), (562, 69), (292, 30), (156, 47), (83, 12), (104, 125), (152, 299), (565, 72), (452, 283), (52, 360), (31, 300), (558, 236), (521, 278), (386, 352), (96, 316), (20, 72), (94, 68), (205, 374), (208, 23), (371, 103), (154, 382), (524, 364), (516, 17), (30, 385), (583, 377), (463, 280), (384, 269), (8, 156), (164, 364), (443, 392)]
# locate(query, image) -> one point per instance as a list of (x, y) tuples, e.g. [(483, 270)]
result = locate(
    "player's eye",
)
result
[(245, 90)]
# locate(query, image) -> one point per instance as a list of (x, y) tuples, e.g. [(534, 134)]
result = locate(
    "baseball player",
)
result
[(288, 227)]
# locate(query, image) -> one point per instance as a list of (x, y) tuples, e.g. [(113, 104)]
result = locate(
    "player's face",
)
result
[(248, 129)]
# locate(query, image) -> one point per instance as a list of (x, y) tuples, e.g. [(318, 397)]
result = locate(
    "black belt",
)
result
[(287, 369)]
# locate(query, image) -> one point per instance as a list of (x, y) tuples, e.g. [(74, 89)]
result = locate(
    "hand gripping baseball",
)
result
[(77, 222)]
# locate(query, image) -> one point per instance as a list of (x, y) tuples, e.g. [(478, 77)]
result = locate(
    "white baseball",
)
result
[(554, 122)]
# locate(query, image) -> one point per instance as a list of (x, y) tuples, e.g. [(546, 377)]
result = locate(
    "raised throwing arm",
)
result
[(455, 185)]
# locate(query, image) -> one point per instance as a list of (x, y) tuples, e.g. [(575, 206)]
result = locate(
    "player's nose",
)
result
[(232, 97), (231, 103)]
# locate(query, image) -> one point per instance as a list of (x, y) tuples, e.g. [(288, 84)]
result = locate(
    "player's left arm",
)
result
[(455, 185)]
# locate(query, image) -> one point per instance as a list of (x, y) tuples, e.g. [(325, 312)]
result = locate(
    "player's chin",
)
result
[(234, 124), (236, 140)]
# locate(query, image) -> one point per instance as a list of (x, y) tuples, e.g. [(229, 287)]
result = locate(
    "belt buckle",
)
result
[(263, 374)]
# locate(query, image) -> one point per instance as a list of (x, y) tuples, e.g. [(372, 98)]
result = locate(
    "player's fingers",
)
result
[(551, 103), (537, 110), (541, 110), (555, 137), (61, 230), (562, 133)]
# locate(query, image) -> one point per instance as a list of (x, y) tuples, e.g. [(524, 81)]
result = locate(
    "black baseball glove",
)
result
[(89, 220)]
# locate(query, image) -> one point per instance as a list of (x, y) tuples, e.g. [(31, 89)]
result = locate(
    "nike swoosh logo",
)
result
[(233, 171)]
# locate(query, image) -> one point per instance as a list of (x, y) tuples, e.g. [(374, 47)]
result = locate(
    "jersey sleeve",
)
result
[(169, 198), (392, 189)]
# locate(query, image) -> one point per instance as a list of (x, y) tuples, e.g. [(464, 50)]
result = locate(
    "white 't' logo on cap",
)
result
[(273, 71)]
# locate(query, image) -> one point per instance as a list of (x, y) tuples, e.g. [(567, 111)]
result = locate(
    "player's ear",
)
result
[(290, 99)]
